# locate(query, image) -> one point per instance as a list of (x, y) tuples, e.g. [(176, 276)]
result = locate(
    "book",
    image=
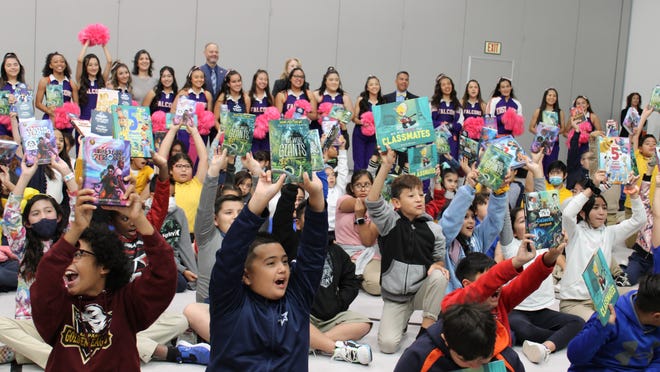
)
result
[(5, 108), (186, 119), (600, 284), (133, 124), (239, 130), (545, 138), (493, 167), (631, 120), (106, 98), (340, 113), (511, 146), (106, 161), (550, 118), (316, 153), (38, 139), (613, 154), (442, 140), (655, 98), (158, 139), (185, 113), (83, 127), (289, 148), (403, 124), (54, 95), (611, 129), (577, 114), (331, 129), (423, 160), (543, 218), (496, 366), (24, 105), (386, 191), (101, 123), (469, 149), (125, 99), (490, 122), (487, 134), (7, 151)]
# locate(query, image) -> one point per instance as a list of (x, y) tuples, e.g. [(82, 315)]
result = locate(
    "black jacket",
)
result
[(391, 97), (339, 285)]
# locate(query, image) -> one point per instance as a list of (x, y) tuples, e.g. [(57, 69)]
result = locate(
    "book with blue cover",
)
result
[(38, 140), (509, 145), (543, 218), (403, 124), (601, 285), (24, 105), (239, 130), (545, 138), (550, 118), (7, 151), (133, 124), (106, 161), (289, 148), (469, 148), (614, 156), (611, 129), (422, 161), (54, 95), (493, 167), (101, 123)]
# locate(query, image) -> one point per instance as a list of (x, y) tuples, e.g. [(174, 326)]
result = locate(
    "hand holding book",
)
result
[(526, 252)]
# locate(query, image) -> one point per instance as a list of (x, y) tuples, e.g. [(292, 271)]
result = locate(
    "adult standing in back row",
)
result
[(214, 75), (401, 93)]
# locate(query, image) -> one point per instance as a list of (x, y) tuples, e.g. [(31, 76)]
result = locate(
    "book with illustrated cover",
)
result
[(289, 148), (106, 161), (442, 140), (83, 127), (545, 138), (614, 156), (4, 102), (340, 113), (611, 129), (469, 149), (186, 119), (543, 218), (496, 366), (655, 98), (550, 118), (101, 123), (403, 124), (423, 160), (24, 105), (386, 192), (54, 95), (133, 124), (158, 139), (631, 120), (38, 140), (577, 114), (105, 99), (493, 167), (490, 122), (7, 151), (239, 130), (512, 147), (601, 285), (185, 114), (316, 153), (125, 99), (331, 129), (487, 134)]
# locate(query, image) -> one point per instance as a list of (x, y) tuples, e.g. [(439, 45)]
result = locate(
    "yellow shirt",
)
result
[(187, 197), (564, 193), (642, 166), (142, 178)]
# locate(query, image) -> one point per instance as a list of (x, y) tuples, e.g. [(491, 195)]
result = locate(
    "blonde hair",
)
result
[(285, 73)]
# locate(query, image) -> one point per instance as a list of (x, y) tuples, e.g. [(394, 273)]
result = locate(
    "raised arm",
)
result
[(39, 97), (203, 161), (79, 61), (108, 63)]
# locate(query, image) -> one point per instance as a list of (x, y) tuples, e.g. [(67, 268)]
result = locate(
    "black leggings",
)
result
[(544, 325)]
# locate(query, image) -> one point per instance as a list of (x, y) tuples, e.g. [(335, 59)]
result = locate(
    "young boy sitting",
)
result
[(631, 338), (413, 276), (91, 321), (259, 307)]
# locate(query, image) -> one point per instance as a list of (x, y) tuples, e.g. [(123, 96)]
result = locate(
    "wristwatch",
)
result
[(360, 221)]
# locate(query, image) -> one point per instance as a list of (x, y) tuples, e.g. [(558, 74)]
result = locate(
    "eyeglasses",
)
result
[(298, 76), (81, 252), (362, 186), (182, 166)]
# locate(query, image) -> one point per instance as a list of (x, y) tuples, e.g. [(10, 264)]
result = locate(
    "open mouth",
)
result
[(280, 283), (70, 278)]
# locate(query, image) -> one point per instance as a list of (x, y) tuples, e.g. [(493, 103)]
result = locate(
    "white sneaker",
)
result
[(535, 352), (351, 351)]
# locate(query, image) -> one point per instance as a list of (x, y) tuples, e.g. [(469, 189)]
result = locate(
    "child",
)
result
[(413, 276), (337, 181), (95, 302), (91, 77), (142, 173), (629, 341), (259, 308)]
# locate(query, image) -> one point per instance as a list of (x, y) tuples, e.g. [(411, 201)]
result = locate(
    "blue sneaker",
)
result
[(197, 353)]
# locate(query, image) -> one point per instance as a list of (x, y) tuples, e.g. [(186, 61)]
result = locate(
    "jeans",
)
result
[(639, 264)]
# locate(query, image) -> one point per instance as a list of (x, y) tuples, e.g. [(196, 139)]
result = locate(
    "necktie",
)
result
[(214, 80)]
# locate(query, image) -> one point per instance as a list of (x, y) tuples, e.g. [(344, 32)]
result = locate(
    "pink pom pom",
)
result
[(324, 109), (303, 104), (158, 121), (199, 108), (513, 122), (6, 121), (62, 118), (95, 34), (289, 113), (584, 138), (205, 121), (261, 123), (473, 127), (134, 103), (368, 127), (585, 127)]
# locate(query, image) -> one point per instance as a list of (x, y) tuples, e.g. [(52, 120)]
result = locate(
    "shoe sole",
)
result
[(188, 344)]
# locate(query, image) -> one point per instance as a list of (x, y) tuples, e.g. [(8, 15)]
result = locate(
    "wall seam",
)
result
[(577, 33), (464, 58), (337, 35), (196, 47)]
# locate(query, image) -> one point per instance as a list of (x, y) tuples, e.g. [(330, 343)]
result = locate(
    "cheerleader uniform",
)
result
[(92, 96), (163, 102), (67, 92), (554, 155), (258, 107), (183, 135), (498, 107), (291, 98), (235, 106), (4, 131), (445, 113), (363, 146), (472, 110), (337, 99)]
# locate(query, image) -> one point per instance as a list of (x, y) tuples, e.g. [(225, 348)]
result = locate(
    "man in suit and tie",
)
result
[(401, 93), (214, 75)]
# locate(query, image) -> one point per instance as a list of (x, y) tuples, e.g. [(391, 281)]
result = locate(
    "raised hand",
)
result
[(218, 161), (526, 252), (471, 177), (252, 165), (314, 188), (550, 258), (265, 190), (388, 157), (83, 210)]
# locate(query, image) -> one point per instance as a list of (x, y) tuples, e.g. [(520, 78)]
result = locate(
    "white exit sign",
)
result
[(493, 47)]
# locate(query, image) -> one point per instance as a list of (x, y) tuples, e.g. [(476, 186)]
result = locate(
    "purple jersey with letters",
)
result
[(498, 106), (197, 97), (10, 87), (448, 115), (472, 110), (236, 106), (338, 99), (67, 92), (291, 99), (164, 102), (258, 106), (92, 95)]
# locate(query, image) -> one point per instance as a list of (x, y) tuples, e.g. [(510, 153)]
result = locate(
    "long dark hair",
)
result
[(158, 89), (3, 73), (496, 91), (589, 109), (437, 93), (588, 206), (34, 247), (628, 99), (288, 80), (356, 176), (466, 95), (188, 83), (555, 107), (85, 82), (331, 70), (364, 102), (225, 84), (47, 70), (113, 75), (253, 87), (136, 69)]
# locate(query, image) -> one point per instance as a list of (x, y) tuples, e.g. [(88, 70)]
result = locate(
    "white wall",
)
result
[(642, 67)]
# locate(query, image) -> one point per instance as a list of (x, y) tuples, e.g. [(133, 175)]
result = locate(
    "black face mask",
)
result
[(45, 228)]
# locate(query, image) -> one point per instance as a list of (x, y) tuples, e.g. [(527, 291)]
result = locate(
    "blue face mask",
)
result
[(45, 228), (555, 180)]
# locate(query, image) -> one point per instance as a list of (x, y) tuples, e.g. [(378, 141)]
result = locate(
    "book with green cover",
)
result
[(340, 113), (614, 156), (386, 191), (655, 98), (239, 130), (469, 149), (403, 124), (493, 166), (601, 285), (289, 148), (442, 140), (543, 218), (422, 161), (550, 118), (54, 95), (133, 124), (315, 150), (24, 105), (4, 102), (496, 366)]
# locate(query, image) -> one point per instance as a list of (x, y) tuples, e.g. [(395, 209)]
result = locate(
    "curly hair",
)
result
[(109, 252)]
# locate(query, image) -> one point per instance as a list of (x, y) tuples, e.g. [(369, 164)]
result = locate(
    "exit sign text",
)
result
[(493, 47)]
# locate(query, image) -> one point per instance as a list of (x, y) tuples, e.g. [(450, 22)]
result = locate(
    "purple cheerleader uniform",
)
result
[(238, 106), (257, 108), (472, 110), (498, 106), (164, 102), (449, 115), (67, 92), (92, 96), (363, 146)]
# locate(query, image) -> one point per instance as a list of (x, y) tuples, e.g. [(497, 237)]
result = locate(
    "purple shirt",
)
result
[(291, 99), (164, 102), (336, 100), (448, 114), (92, 95), (236, 106), (258, 106), (201, 97), (472, 110), (498, 106)]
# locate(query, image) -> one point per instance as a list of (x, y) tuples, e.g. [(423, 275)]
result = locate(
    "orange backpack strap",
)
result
[(433, 357)]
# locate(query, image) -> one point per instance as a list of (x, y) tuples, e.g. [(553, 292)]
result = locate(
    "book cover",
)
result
[(655, 98), (185, 113), (4, 102), (403, 124), (545, 138), (54, 95), (543, 218), (442, 140), (613, 155), (550, 118), (493, 166), (158, 139), (316, 153), (83, 127), (340, 113), (611, 129), (487, 134), (7, 151), (101, 123), (186, 120), (106, 161), (24, 105), (133, 124), (631, 120), (512, 147), (38, 140), (386, 192), (496, 366), (577, 114), (106, 98), (422, 161), (601, 285), (490, 122), (289, 148), (239, 130), (469, 149), (331, 129), (125, 99)]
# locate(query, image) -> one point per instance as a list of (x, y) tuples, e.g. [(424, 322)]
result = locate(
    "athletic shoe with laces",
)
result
[(535, 352), (197, 353), (351, 351)]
